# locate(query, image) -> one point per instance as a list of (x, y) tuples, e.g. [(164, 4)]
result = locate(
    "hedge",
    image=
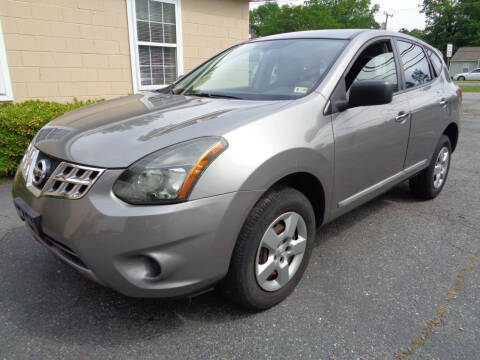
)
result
[(20, 122)]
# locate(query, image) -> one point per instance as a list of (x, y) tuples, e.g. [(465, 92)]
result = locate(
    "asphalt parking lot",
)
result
[(394, 278)]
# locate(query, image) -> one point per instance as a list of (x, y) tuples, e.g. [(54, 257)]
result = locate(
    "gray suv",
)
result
[(224, 177)]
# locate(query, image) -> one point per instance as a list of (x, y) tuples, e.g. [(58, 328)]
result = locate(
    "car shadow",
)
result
[(47, 299), (399, 194)]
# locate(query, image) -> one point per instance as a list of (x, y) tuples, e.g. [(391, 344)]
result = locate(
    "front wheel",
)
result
[(461, 78), (272, 250), (429, 183)]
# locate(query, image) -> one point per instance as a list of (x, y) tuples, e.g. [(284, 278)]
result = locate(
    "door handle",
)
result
[(402, 117), (443, 102)]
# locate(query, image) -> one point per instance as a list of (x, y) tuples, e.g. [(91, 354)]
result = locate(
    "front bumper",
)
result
[(141, 251)]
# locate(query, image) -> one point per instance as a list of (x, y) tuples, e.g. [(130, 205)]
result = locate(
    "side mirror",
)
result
[(370, 92), (367, 93)]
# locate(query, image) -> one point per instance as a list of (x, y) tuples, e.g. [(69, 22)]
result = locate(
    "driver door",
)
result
[(370, 141)]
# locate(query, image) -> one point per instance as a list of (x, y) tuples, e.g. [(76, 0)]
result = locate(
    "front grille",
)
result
[(53, 164), (60, 178), (71, 181)]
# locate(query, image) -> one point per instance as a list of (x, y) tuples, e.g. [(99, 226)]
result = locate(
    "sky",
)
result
[(406, 13)]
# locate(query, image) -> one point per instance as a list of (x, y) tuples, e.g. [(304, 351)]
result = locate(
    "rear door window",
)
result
[(415, 64)]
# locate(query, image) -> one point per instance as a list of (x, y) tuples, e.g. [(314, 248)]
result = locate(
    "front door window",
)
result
[(376, 62)]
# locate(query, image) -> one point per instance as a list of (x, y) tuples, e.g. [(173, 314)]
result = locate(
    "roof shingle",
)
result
[(467, 54)]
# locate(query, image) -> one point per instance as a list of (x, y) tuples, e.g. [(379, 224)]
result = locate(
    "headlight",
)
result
[(27, 160), (168, 175)]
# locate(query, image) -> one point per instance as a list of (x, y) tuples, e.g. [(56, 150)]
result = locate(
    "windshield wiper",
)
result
[(212, 95), (166, 90)]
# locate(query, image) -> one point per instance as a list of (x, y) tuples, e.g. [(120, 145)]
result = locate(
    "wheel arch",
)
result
[(306, 170), (310, 186), (312, 176), (451, 131)]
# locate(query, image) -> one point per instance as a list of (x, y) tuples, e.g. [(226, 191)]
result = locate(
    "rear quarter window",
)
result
[(436, 62)]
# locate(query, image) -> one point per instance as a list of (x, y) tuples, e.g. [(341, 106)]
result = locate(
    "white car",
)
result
[(474, 75)]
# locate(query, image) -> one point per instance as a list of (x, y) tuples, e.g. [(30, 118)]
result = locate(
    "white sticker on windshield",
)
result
[(300, 89)]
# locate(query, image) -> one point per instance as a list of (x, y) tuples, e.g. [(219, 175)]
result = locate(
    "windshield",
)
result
[(264, 70)]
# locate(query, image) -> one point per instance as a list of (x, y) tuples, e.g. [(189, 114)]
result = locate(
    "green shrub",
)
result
[(20, 122)]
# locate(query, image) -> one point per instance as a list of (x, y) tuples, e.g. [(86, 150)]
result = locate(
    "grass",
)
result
[(470, 89), (465, 81)]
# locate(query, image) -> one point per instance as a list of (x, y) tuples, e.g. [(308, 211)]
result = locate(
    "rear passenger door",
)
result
[(428, 102)]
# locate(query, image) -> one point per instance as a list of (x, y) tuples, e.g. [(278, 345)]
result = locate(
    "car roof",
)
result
[(343, 34), (317, 34)]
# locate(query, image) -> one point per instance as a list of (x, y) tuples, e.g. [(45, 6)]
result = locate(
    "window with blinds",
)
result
[(156, 35)]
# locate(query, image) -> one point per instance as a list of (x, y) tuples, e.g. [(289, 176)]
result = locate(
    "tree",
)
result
[(452, 21), (272, 19), (468, 23), (419, 34), (441, 21), (359, 14)]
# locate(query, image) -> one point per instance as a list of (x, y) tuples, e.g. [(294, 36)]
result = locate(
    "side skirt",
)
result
[(365, 192)]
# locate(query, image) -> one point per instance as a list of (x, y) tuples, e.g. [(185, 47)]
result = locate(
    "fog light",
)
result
[(152, 267), (139, 268)]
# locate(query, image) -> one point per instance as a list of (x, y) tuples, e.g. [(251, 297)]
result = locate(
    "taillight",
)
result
[(460, 92)]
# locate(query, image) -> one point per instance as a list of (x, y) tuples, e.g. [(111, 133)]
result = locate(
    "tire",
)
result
[(461, 78), (427, 185), (245, 284)]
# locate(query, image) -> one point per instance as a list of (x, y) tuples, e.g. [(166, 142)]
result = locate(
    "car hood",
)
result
[(116, 133)]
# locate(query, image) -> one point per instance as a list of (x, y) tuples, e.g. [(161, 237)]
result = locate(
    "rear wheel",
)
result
[(429, 183), (272, 250)]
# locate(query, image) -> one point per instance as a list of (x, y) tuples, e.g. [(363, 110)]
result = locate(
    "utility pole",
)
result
[(387, 15)]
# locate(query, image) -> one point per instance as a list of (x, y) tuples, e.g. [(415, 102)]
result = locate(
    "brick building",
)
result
[(58, 50)]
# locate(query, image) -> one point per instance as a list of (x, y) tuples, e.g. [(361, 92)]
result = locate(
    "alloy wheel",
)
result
[(281, 251), (441, 167)]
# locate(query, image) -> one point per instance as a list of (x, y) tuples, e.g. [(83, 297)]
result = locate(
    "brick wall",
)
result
[(210, 26), (61, 49)]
